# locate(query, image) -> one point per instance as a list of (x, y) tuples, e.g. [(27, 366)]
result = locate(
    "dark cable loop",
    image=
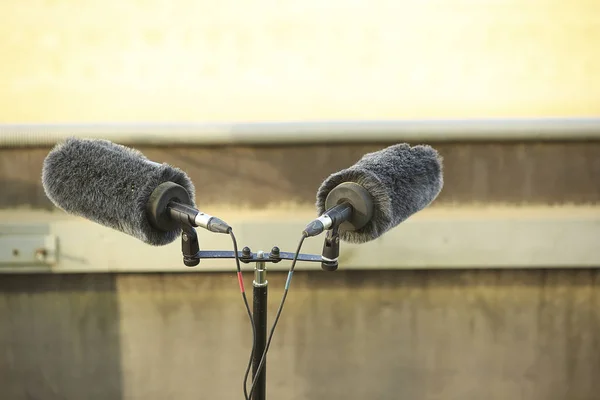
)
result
[(239, 270), (285, 292)]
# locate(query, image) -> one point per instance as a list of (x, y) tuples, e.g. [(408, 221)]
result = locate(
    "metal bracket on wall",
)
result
[(28, 250)]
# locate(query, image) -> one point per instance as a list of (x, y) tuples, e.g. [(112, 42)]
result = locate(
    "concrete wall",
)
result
[(346, 335), (257, 177), (161, 60)]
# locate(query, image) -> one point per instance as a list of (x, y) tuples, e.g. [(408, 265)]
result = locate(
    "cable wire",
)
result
[(241, 283), (285, 292)]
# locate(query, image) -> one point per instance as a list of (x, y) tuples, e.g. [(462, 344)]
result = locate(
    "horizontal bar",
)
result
[(27, 135), (253, 257)]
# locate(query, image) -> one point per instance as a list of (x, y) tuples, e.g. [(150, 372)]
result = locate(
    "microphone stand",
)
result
[(166, 211), (259, 315), (192, 256)]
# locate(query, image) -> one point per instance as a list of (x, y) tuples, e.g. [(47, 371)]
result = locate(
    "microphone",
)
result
[(380, 191), (120, 188)]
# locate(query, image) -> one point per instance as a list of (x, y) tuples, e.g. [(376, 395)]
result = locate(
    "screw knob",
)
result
[(275, 252), (246, 252)]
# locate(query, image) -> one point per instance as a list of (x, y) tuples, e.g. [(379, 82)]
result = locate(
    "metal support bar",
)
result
[(248, 257)]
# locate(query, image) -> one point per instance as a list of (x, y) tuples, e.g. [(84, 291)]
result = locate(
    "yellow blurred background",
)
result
[(161, 60)]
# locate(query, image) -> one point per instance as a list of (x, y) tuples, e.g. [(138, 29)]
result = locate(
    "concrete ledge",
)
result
[(499, 129), (560, 237)]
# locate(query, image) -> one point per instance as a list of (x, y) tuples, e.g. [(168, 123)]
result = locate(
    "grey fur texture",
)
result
[(401, 179), (109, 184)]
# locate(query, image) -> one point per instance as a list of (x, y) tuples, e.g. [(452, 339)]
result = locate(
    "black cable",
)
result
[(285, 292), (241, 283)]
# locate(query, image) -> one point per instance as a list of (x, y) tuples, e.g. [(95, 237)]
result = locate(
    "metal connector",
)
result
[(260, 271)]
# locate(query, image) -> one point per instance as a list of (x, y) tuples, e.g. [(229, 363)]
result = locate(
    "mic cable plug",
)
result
[(331, 218)]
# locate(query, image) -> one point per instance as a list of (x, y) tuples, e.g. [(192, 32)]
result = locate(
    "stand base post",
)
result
[(260, 295)]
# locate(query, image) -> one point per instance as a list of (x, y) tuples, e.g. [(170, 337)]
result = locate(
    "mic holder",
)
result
[(189, 246), (170, 208), (192, 256), (331, 250)]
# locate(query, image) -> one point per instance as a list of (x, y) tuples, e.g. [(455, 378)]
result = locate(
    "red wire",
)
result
[(241, 281)]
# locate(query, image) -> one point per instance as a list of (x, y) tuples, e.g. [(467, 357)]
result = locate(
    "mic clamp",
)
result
[(331, 251), (189, 246)]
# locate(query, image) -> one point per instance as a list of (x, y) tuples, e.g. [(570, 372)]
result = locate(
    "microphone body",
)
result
[(394, 183), (333, 217), (120, 188)]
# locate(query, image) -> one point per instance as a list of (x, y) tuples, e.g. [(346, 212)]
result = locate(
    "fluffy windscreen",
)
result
[(109, 184), (401, 179)]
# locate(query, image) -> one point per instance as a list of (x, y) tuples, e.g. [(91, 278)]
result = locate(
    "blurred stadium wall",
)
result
[(262, 60), (493, 292)]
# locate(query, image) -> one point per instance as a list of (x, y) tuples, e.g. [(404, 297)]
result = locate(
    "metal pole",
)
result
[(260, 323)]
